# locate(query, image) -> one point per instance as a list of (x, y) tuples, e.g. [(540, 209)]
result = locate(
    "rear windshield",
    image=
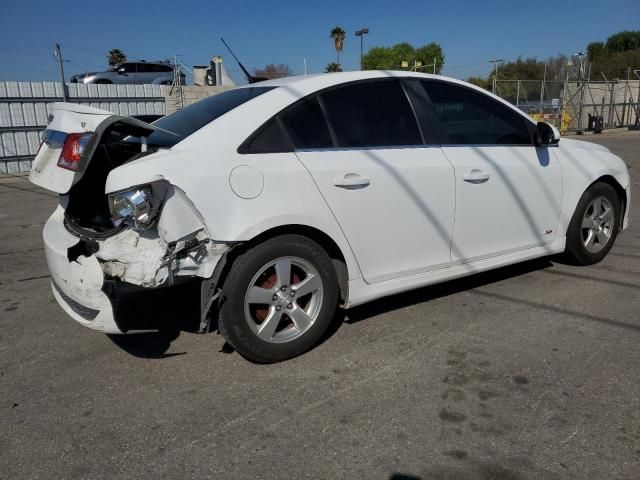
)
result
[(186, 121)]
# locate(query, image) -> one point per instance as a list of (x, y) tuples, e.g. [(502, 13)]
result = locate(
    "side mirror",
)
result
[(121, 71), (547, 135)]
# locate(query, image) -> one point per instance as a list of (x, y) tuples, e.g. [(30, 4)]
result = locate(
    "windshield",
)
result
[(188, 120)]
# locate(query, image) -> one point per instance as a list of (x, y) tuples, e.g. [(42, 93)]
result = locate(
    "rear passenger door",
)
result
[(392, 195)]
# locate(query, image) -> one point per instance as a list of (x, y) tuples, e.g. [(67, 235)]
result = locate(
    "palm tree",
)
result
[(338, 35), (333, 67), (116, 57)]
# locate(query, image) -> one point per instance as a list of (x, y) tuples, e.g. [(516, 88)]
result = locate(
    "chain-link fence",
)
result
[(576, 105)]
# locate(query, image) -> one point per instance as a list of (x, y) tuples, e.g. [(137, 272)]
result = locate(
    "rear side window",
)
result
[(301, 126), (192, 118), (371, 114), (268, 139), (473, 118), (306, 125)]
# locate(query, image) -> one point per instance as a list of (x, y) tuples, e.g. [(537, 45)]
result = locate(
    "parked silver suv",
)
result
[(139, 72)]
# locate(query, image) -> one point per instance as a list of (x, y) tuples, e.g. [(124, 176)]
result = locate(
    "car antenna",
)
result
[(250, 78)]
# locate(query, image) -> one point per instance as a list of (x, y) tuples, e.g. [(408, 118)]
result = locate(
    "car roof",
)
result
[(302, 85), (342, 77)]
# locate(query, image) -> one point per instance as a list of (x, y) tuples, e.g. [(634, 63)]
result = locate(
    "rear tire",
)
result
[(594, 226), (279, 298)]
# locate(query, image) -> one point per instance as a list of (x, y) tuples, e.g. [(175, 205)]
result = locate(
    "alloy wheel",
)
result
[(283, 299), (598, 223)]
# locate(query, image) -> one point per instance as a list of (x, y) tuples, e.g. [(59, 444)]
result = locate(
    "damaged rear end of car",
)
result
[(103, 246)]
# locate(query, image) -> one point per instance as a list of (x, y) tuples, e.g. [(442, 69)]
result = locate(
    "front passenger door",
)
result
[(508, 191)]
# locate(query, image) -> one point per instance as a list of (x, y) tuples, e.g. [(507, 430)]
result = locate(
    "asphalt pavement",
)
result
[(527, 372)]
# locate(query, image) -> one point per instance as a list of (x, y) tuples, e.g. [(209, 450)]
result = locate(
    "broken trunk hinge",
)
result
[(208, 294)]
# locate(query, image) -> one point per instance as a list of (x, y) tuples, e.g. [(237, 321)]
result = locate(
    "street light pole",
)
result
[(495, 73), (58, 55), (361, 33)]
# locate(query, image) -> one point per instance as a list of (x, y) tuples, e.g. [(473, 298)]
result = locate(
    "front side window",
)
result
[(472, 118), (371, 114)]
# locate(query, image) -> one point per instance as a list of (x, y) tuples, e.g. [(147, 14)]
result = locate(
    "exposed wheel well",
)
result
[(609, 180), (321, 238)]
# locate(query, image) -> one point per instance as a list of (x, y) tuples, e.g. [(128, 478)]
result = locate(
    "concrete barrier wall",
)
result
[(615, 102)]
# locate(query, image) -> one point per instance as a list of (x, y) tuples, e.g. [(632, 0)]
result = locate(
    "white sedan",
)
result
[(285, 199)]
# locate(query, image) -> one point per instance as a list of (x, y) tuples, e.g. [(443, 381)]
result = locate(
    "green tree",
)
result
[(379, 58), (623, 41), (402, 51), (427, 53), (116, 57), (596, 50), (273, 71), (616, 65), (391, 58), (333, 67), (480, 82), (614, 57), (525, 69), (338, 35)]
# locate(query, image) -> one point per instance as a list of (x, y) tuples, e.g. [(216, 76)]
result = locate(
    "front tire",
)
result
[(279, 299), (594, 225)]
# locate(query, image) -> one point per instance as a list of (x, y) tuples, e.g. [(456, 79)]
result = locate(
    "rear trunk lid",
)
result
[(70, 118), (65, 118)]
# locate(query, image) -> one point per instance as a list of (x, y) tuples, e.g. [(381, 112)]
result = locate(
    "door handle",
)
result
[(351, 181), (476, 176)]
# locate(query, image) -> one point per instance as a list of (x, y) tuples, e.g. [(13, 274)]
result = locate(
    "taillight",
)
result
[(74, 145)]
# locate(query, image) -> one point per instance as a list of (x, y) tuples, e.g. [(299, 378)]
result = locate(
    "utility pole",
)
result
[(580, 56), (563, 105), (58, 54), (361, 33), (544, 79), (637, 123), (304, 64), (495, 73), (624, 102)]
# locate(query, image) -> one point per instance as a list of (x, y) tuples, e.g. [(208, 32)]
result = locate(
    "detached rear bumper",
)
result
[(76, 285)]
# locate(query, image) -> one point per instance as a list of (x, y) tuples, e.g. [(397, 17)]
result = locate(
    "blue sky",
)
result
[(261, 32)]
